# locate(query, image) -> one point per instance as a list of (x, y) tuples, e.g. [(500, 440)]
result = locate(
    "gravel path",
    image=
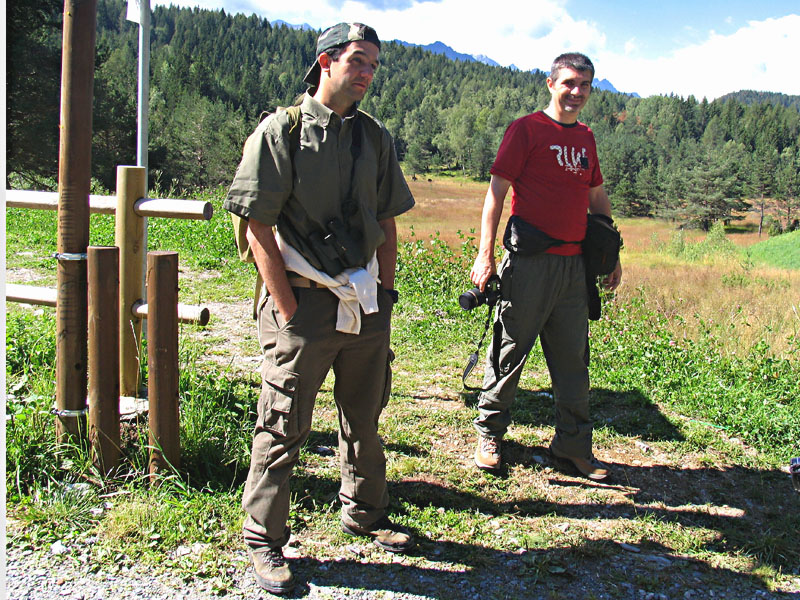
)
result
[(63, 573), (32, 576)]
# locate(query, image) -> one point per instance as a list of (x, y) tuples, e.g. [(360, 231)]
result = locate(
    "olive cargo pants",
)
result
[(544, 296), (297, 357)]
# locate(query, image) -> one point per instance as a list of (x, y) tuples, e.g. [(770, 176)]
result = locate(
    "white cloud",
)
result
[(760, 56), (527, 33), (530, 33)]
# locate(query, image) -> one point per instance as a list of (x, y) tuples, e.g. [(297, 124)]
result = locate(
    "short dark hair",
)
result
[(572, 60), (336, 52)]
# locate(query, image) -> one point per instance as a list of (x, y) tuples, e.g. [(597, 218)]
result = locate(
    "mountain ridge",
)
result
[(439, 47)]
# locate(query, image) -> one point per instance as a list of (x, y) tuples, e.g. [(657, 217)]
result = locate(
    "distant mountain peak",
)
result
[(442, 48), (438, 47), (486, 60), (604, 84), (303, 27)]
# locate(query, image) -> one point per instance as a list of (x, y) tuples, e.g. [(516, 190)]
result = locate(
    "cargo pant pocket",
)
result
[(387, 388), (277, 410)]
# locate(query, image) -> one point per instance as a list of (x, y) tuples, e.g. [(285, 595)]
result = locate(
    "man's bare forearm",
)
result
[(387, 253), (484, 266), (271, 267)]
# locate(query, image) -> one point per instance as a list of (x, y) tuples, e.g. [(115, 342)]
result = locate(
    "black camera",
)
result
[(475, 297)]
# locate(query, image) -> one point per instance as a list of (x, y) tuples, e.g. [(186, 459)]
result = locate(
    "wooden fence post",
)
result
[(103, 275), (129, 236), (162, 361), (74, 175)]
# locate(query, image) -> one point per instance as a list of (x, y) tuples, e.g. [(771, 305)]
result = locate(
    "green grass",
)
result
[(754, 398), (781, 251), (707, 491), (715, 246)]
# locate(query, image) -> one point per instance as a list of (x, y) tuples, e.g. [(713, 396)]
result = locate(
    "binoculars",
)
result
[(337, 250)]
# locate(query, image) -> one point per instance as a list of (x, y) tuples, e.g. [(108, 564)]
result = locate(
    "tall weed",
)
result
[(430, 277), (753, 397), (217, 415), (716, 246), (30, 377)]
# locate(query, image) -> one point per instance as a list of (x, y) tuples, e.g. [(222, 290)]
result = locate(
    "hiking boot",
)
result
[(592, 468), (272, 572), (385, 534), (487, 454)]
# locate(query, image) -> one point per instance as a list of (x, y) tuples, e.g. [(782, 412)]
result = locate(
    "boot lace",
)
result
[(489, 445)]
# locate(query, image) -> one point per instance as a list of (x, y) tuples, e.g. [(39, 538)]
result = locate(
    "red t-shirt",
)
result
[(551, 167)]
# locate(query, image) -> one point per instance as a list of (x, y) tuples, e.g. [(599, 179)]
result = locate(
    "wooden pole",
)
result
[(162, 361), (31, 294), (104, 436), (106, 205), (129, 236), (74, 176)]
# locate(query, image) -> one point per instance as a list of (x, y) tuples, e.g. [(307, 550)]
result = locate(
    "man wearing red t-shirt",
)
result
[(549, 160)]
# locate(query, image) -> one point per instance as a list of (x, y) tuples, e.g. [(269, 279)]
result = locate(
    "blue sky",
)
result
[(685, 47)]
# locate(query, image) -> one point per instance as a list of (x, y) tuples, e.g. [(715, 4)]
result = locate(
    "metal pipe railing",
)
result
[(43, 296), (107, 205)]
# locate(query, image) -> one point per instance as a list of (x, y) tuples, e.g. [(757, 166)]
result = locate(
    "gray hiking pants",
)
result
[(544, 296), (297, 357)]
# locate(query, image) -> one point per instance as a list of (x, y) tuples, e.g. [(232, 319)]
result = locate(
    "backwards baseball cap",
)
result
[(338, 35)]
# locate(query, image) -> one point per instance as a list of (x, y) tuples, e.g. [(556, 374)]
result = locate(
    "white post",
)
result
[(139, 12), (144, 82)]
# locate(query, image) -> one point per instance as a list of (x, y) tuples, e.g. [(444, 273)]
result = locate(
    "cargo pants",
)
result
[(544, 296), (297, 357)]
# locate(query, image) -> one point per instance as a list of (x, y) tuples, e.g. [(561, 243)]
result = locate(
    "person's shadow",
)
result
[(740, 512), (733, 511)]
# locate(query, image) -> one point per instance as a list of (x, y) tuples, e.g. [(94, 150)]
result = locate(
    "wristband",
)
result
[(393, 295)]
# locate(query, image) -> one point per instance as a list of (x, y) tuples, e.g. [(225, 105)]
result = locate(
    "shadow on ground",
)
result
[(591, 569), (734, 502)]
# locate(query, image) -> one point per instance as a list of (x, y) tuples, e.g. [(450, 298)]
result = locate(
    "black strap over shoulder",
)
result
[(349, 204)]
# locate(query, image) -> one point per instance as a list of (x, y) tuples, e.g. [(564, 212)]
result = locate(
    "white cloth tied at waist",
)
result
[(356, 289)]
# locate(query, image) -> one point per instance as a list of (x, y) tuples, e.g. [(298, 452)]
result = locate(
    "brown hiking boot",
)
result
[(385, 534), (592, 468), (272, 572), (487, 454)]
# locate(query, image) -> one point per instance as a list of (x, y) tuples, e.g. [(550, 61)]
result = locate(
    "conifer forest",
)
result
[(213, 74)]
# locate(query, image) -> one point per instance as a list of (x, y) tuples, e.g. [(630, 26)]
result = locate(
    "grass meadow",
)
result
[(695, 369)]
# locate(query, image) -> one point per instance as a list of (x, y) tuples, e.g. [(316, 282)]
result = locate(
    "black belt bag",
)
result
[(601, 245), (600, 248), (526, 240)]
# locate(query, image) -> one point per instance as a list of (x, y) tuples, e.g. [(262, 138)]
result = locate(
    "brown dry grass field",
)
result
[(756, 302), (444, 206)]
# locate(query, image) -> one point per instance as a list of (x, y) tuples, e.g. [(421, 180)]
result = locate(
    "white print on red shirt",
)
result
[(573, 161)]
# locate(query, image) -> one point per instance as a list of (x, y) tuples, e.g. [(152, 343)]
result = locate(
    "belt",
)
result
[(299, 281)]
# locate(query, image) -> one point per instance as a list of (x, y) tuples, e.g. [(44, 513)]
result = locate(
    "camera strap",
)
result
[(497, 331)]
